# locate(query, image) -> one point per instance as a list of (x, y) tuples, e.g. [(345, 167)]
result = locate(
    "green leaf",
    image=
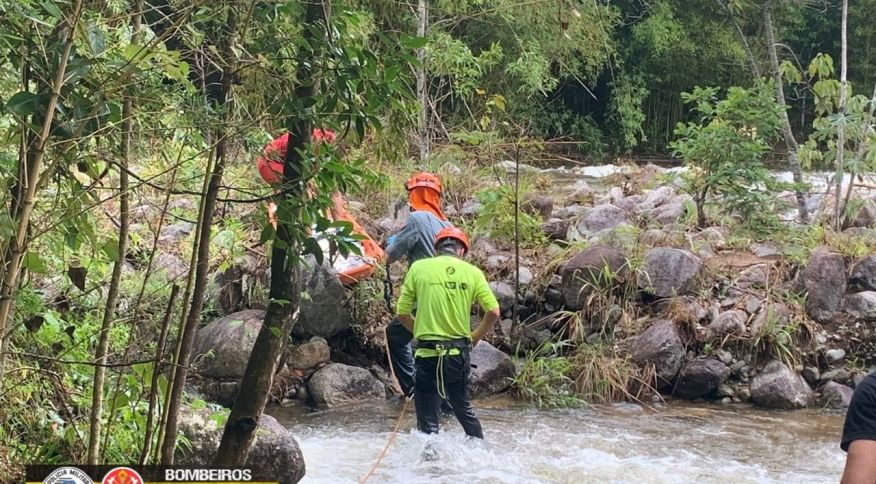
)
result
[(411, 42), (96, 39), (267, 233), (277, 332), (311, 246), (111, 249), (34, 263), (22, 104), (52, 9)]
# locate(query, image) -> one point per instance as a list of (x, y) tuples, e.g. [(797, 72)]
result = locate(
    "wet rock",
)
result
[(556, 229), (602, 217), (839, 375), (777, 386), (835, 355), (700, 377), (326, 312), (811, 375), (824, 280), (744, 394), (771, 315), (836, 395), (861, 305), (864, 274), (222, 347), (175, 233), (274, 450), (724, 356), (338, 384), (492, 370), (669, 272), (728, 323), (661, 345), (504, 294), (542, 206), (586, 269), (724, 390), (311, 354)]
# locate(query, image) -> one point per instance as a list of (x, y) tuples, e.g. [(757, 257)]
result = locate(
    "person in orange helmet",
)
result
[(414, 241), (444, 288)]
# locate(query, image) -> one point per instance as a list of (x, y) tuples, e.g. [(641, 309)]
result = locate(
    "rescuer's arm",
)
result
[(401, 242), (484, 295), (406, 300), (860, 463)]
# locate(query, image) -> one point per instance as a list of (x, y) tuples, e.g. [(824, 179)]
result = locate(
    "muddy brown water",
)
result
[(671, 443)]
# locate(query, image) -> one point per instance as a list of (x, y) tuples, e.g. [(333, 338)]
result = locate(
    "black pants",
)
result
[(428, 401), (398, 339)]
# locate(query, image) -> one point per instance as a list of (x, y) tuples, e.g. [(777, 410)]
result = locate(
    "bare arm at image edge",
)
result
[(406, 300), (484, 295), (861, 463)]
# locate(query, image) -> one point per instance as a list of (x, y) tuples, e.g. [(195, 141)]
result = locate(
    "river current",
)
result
[(668, 443)]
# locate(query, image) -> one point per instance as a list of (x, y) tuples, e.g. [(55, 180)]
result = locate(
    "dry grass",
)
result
[(605, 374)]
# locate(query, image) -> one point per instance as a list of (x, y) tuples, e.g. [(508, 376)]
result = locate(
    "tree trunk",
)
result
[(841, 126), (422, 82), (15, 247), (199, 285), (862, 146), (285, 293), (790, 141), (102, 349)]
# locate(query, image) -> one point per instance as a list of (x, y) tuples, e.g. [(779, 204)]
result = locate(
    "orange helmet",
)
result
[(423, 179), (452, 233)]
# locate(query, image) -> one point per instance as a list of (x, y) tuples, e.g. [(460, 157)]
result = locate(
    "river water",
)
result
[(670, 443)]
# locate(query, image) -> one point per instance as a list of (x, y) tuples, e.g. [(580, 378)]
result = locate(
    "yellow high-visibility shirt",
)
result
[(443, 289)]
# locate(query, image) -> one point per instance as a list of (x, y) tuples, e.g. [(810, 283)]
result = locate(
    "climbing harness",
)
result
[(439, 351)]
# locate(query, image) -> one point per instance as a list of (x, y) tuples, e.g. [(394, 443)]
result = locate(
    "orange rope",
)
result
[(389, 442)]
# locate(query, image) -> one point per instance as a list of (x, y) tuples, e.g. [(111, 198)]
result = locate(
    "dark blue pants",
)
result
[(427, 399), (399, 339)]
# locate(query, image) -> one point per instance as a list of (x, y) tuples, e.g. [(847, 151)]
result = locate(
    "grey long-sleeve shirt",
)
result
[(416, 240)]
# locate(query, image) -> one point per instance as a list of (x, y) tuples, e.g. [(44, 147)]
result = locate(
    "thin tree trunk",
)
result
[(790, 141), (156, 373), (100, 353), (15, 247), (752, 61), (862, 146), (841, 126), (422, 81), (203, 258), (285, 294)]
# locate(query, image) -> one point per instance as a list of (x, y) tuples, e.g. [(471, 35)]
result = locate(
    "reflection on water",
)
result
[(620, 443)]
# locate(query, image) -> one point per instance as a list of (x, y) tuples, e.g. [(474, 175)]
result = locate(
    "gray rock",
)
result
[(835, 355), (661, 345), (496, 262), (725, 356), (669, 272), (274, 450), (572, 212), (175, 233), (714, 236), (492, 371), (657, 197), (241, 286), (525, 276), (836, 395), (182, 204), (864, 274), (311, 354), (700, 377), (768, 250), (556, 229), (839, 375), (471, 208), (542, 206), (669, 213), (770, 315), (866, 216), (744, 394), (824, 280), (861, 233), (662, 238), (861, 305), (602, 217), (172, 266), (326, 310), (728, 323), (338, 384), (586, 270), (811, 375), (504, 294), (724, 390), (222, 347), (755, 276), (777, 386)]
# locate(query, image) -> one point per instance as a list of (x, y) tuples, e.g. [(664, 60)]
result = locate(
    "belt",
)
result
[(432, 349)]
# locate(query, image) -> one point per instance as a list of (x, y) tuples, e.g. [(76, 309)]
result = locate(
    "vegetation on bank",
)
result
[(129, 130)]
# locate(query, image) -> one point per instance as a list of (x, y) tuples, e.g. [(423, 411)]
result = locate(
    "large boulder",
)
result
[(669, 213), (836, 395), (556, 229), (326, 310), (586, 269), (274, 453), (309, 355), (864, 274), (504, 294), (240, 286), (777, 386), (669, 272), (660, 345), (222, 347), (602, 217), (824, 280), (700, 377), (861, 305), (338, 384), (492, 370)]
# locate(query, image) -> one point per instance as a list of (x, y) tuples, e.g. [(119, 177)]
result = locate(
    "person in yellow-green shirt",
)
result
[(443, 288)]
